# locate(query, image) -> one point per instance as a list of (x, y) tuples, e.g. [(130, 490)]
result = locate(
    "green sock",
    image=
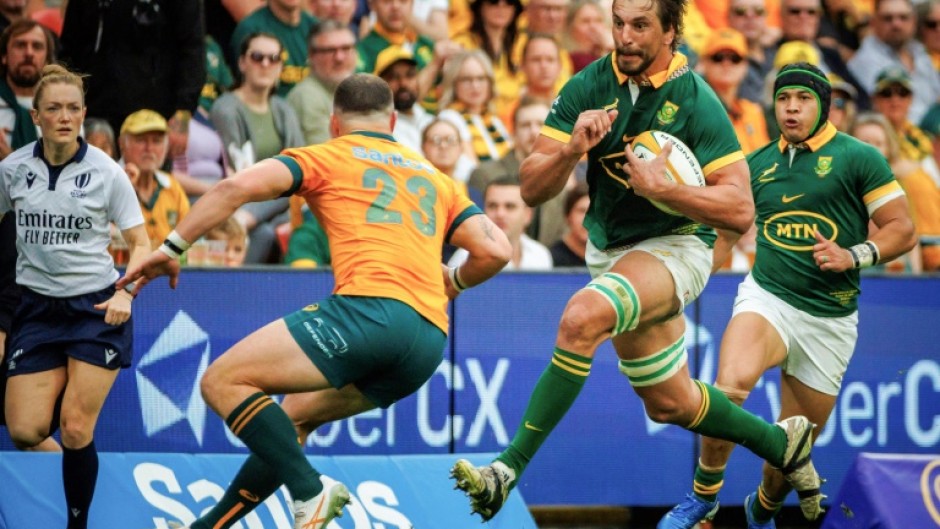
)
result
[(555, 392), (720, 418), (255, 481), (269, 433), (708, 482), (764, 509)]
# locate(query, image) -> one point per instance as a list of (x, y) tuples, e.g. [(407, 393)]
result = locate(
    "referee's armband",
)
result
[(865, 254), (174, 246)]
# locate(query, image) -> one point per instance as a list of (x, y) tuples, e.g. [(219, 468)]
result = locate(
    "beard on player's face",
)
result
[(627, 61)]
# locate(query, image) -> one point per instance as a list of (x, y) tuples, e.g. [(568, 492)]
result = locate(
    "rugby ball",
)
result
[(681, 167)]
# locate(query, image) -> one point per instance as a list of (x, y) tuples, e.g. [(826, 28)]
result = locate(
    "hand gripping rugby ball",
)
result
[(681, 166)]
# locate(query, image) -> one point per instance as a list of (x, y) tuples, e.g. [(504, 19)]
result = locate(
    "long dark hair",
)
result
[(509, 38)]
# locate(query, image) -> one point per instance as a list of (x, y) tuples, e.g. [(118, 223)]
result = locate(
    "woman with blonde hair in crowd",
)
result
[(467, 102), (922, 192), (588, 37), (493, 30)]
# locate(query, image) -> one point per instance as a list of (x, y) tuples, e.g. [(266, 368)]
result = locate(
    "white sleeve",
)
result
[(123, 207)]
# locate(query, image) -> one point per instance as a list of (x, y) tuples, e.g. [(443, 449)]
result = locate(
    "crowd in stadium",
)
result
[(184, 93)]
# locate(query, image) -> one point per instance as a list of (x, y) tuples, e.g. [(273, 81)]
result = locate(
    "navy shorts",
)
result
[(47, 331), (381, 345)]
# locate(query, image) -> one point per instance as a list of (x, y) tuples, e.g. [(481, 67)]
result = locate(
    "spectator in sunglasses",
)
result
[(892, 43), (723, 65), (290, 24), (894, 95), (256, 124), (801, 21)]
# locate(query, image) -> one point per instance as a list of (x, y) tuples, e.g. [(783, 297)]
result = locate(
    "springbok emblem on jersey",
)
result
[(667, 114), (823, 166)]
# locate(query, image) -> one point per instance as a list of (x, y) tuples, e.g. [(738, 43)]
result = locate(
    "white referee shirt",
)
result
[(62, 217)]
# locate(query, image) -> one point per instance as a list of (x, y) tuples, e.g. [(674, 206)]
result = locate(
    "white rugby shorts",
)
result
[(818, 348)]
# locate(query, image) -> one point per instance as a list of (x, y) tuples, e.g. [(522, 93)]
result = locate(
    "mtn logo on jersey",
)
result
[(81, 182), (794, 230), (173, 396)]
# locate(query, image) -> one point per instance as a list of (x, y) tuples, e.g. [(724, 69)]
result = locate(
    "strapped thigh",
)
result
[(621, 295), (656, 368)]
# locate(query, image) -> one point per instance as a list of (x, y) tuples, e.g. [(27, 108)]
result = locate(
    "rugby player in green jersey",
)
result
[(646, 264), (815, 190)]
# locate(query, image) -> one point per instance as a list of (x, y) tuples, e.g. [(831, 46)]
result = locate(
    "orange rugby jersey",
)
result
[(387, 213)]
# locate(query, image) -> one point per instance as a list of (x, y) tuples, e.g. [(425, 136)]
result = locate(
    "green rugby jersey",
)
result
[(676, 101), (832, 185)]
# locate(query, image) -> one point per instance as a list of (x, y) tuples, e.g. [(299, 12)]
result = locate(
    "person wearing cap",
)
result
[(843, 107), (797, 309), (163, 200), (892, 43), (894, 95), (72, 331), (800, 22), (398, 67), (392, 28), (723, 65), (332, 55)]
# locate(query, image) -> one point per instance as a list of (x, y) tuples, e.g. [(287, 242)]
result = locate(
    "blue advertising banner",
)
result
[(146, 491), (888, 491), (501, 340)]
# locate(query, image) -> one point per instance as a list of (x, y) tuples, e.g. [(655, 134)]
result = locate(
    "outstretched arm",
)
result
[(265, 180)]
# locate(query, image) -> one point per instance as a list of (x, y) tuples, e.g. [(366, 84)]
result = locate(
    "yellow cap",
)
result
[(390, 56), (726, 39), (796, 51), (144, 121)]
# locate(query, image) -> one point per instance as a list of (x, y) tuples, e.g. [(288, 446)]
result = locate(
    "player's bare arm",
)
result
[(895, 237), (265, 180), (725, 203), (545, 172), (488, 248)]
